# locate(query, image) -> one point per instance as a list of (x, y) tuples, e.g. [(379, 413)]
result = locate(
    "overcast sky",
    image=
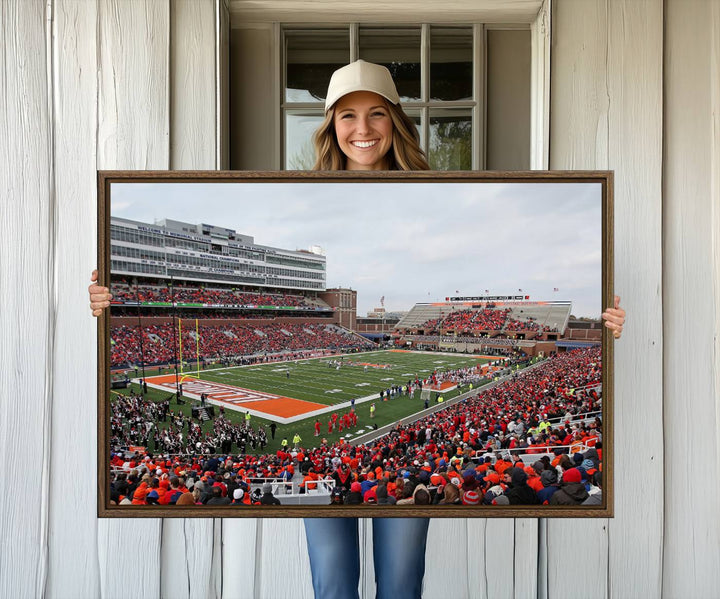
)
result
[(409, 242)]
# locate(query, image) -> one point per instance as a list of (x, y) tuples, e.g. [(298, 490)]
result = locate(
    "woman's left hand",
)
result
[(615, 318)]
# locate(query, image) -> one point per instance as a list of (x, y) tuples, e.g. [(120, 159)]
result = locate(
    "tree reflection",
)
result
[(450, 144)]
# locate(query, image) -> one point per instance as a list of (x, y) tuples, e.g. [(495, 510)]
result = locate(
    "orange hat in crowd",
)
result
[(492, 477)]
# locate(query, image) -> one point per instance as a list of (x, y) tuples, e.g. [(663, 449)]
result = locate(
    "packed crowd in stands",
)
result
[(431, 325), (476, 320), (123, 293), (467, 454), (528, 324), (222, 342), (135, 421), (486, 319)]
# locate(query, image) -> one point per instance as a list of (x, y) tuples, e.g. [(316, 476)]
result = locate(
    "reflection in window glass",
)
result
[(442, 99), (415, 117), (451, 63), (311, 58), (299, 150), (450, 146), (399, 51)]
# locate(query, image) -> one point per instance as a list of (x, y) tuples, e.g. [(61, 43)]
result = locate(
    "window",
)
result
[(434, 70), (438, 71), (467, 86)]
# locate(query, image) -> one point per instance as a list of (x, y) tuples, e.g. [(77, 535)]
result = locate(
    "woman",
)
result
[(365, 129)]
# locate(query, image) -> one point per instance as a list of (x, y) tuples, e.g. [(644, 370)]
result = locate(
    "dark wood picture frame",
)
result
[(404, 179)]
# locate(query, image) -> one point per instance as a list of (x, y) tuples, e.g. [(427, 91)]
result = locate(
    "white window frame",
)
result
[(536, 15), (476, 106)]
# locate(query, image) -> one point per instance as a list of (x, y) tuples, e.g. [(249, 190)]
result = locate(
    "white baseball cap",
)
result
[(361, 76)]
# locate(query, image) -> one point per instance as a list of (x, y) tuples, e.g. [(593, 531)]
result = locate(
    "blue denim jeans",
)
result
[(398, 554)]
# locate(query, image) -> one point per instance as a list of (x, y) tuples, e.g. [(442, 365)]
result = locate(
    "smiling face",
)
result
[(364, 130)]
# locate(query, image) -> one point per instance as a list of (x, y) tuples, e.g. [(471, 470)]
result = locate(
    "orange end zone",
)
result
[(286, 407), (238, 398), (161, 379)]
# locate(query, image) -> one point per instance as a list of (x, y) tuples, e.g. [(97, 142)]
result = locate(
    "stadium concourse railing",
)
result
[(530, 458), (490, 343), (577, 419), (296, 492)]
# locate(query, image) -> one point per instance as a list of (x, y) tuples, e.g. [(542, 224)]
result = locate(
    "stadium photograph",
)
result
[(432, 346)]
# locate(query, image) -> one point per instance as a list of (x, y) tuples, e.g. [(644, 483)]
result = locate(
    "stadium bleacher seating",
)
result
[(124, 293), (435, 318), (465, 442), (225, 340)]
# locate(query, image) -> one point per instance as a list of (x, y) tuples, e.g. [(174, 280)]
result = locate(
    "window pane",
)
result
[(311, 58), (414, 115), (451, 56), (399, 51), (299, 150), (450, 140), (508, 100)]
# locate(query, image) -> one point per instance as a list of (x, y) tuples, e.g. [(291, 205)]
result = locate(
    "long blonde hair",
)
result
[(404, 155)]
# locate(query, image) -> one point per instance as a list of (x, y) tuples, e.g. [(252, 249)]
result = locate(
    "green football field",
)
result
[(359, 375), (315, 380)]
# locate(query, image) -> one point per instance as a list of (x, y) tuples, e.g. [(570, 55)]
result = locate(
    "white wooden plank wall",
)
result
[(133, 131), (240, 563), (692, 273), (440, 563), (27, 207), (578, 140), (190, 566), (193, 85), (116, 84), (222, 65), (281, 563), (606, 112), (635, 44), (73, 556), (487, 571)]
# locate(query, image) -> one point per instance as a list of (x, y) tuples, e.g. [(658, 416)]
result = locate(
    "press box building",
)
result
[(210, 254)]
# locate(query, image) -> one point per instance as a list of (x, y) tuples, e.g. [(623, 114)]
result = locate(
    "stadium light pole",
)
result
[(175, 347), (140, 331), (382, 327)]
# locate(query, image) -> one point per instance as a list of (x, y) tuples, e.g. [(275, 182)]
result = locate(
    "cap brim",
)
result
[(330, 101)]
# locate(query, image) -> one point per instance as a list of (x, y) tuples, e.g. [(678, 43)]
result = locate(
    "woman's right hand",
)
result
[(99, 296)]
